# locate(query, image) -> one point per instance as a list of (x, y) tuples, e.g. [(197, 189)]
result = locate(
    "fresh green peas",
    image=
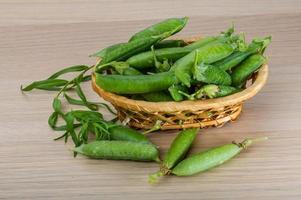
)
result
[(172, 25), (209, 159), (214, 91), (246, 68), (135, 84), (119, 150), (208, 54), (118, 132), (176, 152), (211, 74), (179, 148)]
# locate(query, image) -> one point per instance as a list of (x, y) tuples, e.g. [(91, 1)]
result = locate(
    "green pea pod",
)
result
[(119, 150), (257, 45), (207, 54), (135, 84), (211, 158), (159, 96), (246, 68), (175, 92), (126, 50), (214, 91), (172, 25), (178, 148), (211, 74), (102, 53), (118, 132), (146, 59), (201, 42), (170, 43)]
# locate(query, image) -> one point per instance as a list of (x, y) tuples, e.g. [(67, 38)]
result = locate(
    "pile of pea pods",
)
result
[(152, 68)]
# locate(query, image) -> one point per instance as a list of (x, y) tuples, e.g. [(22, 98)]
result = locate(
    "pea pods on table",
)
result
[(246, 68), (209, 159), (172, 25), (135, 84), (118, 132), (179, 147), (119, 150), (176, 152)]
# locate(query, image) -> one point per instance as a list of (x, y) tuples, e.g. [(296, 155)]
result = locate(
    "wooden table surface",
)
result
[(39, 37)]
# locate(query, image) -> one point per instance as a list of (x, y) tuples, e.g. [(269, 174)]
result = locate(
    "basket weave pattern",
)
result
[(185, 114)]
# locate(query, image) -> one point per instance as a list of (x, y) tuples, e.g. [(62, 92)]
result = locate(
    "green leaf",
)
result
[(83, 133), (52, 120), (69, 118), (87, 116), (57, 105), (75, 68), (51, 84), (90, 105), (64, 127), (60, 137)]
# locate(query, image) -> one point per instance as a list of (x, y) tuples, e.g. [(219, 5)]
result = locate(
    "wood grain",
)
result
[(39, 37)]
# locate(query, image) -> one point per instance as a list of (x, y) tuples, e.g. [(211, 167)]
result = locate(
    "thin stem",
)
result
[(156, 127), (153, 178), (73, 80)]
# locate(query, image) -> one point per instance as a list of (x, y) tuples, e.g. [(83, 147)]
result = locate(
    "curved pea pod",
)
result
[(146, 59), (207, 54), (178, 148), (159, 96), (170, 43), (201, 42), (175, 92), (246, 68), (124, 51), (257, 45), (214, 91), (124, 133), (211, 158), (211, 74), (172, 25), (119, 150), (135, 84), (104, 51)]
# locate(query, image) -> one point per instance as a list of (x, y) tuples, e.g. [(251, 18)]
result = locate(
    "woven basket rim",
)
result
[(194, 105)]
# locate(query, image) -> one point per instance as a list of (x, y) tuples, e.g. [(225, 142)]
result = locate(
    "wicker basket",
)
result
[(185, 114)]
